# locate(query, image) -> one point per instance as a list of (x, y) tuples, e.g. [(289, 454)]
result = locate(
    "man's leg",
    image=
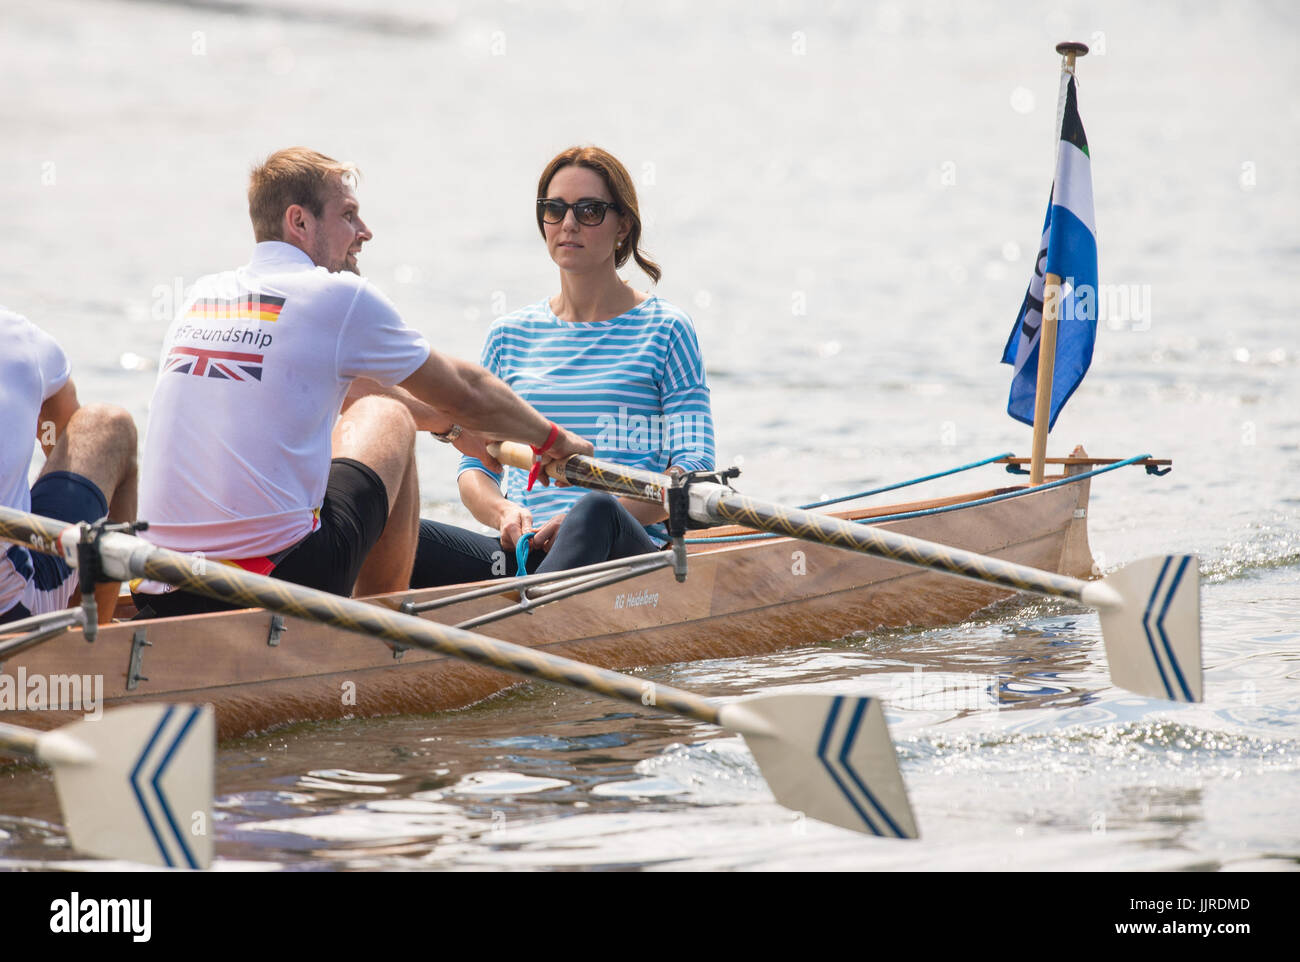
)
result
[(380, 433), (99, 444), (395, 550)]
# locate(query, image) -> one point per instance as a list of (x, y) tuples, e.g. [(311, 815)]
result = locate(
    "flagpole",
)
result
[(1051, 300)]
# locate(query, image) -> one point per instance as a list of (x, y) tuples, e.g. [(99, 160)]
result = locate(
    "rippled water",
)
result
[(851, 307)]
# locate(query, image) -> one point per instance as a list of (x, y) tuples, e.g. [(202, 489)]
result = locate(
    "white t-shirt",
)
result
[(32, 369), (251, 378)]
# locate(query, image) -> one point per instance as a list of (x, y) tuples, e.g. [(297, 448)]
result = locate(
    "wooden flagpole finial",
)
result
[(1069, 49)]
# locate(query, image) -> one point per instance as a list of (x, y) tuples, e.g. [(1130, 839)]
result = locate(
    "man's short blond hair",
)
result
[(295, 175)]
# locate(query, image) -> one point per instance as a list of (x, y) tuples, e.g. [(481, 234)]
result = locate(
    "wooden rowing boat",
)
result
[(260, 671)]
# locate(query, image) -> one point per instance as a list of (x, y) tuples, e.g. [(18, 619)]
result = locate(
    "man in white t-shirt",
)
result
[(89, 472), (246, 459)]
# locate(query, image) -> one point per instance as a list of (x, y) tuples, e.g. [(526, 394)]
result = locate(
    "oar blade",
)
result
[(829, 757), (147, 795), (1153, 639)]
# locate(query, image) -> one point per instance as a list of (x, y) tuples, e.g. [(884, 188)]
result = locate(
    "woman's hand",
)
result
[(545, 537), (514, 522)]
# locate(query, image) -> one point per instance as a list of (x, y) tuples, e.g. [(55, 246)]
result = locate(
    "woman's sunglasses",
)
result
[(589, 213)]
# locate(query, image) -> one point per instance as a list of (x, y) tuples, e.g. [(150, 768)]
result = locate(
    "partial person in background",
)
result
[(246, 458), (89, 473), (615, 365)]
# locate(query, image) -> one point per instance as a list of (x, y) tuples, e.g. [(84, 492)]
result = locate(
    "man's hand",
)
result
[(566, 445), (545, 537), (514, 522)]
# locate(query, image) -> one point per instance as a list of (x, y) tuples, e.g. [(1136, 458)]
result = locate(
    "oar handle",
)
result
[(520, 456), (588, 472)]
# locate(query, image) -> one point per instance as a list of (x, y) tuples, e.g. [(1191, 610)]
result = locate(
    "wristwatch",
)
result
[(452, 434)]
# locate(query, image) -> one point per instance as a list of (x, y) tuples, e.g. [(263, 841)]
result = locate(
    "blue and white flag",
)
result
[(1069, 250)]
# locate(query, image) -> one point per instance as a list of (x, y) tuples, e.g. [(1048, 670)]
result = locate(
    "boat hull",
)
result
[(739, 599)]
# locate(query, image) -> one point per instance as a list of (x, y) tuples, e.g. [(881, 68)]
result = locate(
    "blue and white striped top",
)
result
[(633, 386)]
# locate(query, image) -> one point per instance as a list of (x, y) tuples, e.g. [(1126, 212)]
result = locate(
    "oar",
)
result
[(828, 757), (134, 784), (1150, 610)]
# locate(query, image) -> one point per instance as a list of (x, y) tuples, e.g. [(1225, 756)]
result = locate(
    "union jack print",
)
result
[(229, 365)]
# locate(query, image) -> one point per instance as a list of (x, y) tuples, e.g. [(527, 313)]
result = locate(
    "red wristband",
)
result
[(537, 465)]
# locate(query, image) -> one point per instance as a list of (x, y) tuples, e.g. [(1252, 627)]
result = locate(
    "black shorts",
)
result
[(351, 520)]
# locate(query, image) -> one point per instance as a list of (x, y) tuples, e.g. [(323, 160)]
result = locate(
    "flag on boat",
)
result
[(1069, 250)]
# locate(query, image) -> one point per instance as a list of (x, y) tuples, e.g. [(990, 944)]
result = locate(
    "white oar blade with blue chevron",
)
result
[(1153, 633), (147, 794), (829, 757)]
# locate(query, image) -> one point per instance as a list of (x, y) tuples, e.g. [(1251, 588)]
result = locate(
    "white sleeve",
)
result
[(51, 360), (376, 343)]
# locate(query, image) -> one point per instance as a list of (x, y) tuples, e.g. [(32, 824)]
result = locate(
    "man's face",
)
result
[(335, 238)]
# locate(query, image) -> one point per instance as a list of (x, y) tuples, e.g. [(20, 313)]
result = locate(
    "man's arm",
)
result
[(427, 417), (55, 413), (471, 397)]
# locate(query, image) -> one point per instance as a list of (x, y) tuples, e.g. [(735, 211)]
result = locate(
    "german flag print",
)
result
[(249, 307)]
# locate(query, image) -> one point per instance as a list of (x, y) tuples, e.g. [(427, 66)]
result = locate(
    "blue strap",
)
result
[(521, 555)]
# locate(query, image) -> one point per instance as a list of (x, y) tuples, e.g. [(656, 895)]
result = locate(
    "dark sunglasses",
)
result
[(589, 213)]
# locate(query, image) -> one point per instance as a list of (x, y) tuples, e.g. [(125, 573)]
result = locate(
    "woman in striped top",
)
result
[(617, 366)]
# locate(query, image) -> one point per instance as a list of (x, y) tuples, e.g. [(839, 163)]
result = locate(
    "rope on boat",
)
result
[(903, 484), (943, 509)]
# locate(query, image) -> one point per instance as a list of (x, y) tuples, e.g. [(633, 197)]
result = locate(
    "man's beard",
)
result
[(318, 257)]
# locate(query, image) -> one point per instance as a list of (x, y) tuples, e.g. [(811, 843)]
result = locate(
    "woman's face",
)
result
[(578, 247)]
